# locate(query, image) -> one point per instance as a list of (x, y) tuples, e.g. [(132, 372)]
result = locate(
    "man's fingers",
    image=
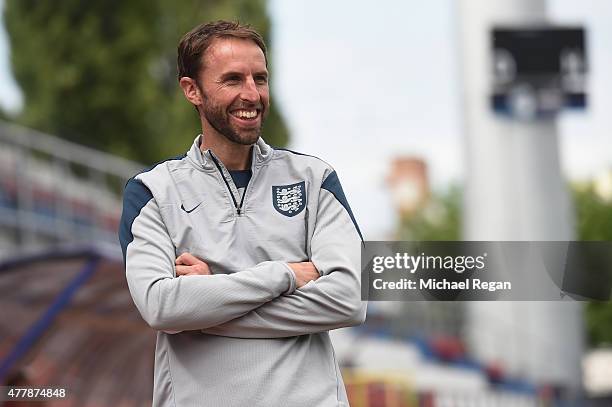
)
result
[(182, 270), (188, 259), (305, 272), (200, 269)]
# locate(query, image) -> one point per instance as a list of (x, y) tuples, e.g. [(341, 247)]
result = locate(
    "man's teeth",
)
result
[(245, 114)]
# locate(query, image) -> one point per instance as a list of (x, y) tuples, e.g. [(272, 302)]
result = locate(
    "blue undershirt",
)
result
[(241, 178)]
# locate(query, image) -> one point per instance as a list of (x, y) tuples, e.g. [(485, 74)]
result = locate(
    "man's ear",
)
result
[(191, 90)]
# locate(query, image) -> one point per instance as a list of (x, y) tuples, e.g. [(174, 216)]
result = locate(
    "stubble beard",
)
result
[(219, 119)]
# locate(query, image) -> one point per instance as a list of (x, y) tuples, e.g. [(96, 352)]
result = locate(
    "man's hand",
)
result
[(305, 272), (189, 265)]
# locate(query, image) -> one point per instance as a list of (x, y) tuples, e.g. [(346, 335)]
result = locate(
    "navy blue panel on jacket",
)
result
[(135, 197), (332, 184)]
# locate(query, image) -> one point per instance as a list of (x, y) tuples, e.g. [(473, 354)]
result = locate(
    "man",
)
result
[(241, 256)]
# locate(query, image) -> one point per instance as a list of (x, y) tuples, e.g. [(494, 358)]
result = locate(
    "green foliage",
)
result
[(103, 72), (599, 323), (439, 220), (594, 222), (593, 215)]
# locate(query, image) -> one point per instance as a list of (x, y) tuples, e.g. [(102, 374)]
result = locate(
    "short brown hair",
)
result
[(195, 43)]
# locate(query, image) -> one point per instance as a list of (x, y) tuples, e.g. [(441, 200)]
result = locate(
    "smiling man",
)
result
[(242, 257)]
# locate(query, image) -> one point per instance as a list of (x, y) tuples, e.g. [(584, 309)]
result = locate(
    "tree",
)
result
[(103, 72), (594, 222)]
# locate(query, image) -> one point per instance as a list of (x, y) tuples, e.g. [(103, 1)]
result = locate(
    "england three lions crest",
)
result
[(289, 200)]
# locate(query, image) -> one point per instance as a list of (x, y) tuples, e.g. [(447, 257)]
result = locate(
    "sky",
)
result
[(362, 82), (10, 97)]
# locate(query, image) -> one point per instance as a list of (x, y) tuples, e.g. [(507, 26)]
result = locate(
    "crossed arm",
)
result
[(188, 265), (271, 299), (309, 309)]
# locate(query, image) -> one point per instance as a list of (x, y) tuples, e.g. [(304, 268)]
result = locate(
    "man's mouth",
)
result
[(246, 114)]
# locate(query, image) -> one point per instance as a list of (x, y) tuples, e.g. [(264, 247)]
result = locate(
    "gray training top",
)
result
[(244, 336)]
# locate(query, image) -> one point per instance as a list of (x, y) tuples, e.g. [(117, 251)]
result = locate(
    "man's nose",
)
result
[(249, 91)]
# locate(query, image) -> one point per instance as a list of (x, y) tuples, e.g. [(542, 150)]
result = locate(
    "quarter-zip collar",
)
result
[(261, 154), (207, 161)]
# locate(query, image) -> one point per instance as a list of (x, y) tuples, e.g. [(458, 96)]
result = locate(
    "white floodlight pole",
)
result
[(514, 191)]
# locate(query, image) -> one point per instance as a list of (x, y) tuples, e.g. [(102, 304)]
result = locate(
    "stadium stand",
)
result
[(68, 321), (67, 318), (53, 191)]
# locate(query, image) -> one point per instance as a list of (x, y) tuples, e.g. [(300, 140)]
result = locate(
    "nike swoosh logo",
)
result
[(192, 209)]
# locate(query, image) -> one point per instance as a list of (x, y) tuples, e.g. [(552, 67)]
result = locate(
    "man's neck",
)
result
[(233, 155)]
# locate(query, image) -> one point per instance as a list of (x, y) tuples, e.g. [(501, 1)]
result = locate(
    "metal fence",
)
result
[(54, 192)]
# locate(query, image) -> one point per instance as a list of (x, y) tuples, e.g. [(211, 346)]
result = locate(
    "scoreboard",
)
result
[(538, 71)]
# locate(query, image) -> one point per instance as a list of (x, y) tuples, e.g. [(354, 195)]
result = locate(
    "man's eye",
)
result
[(232, 79), (261, 79)]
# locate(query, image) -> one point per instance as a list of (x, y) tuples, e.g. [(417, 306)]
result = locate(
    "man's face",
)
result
[(234, 87)]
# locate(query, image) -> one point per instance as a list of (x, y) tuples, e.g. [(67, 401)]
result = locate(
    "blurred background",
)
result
[(446, 120)]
